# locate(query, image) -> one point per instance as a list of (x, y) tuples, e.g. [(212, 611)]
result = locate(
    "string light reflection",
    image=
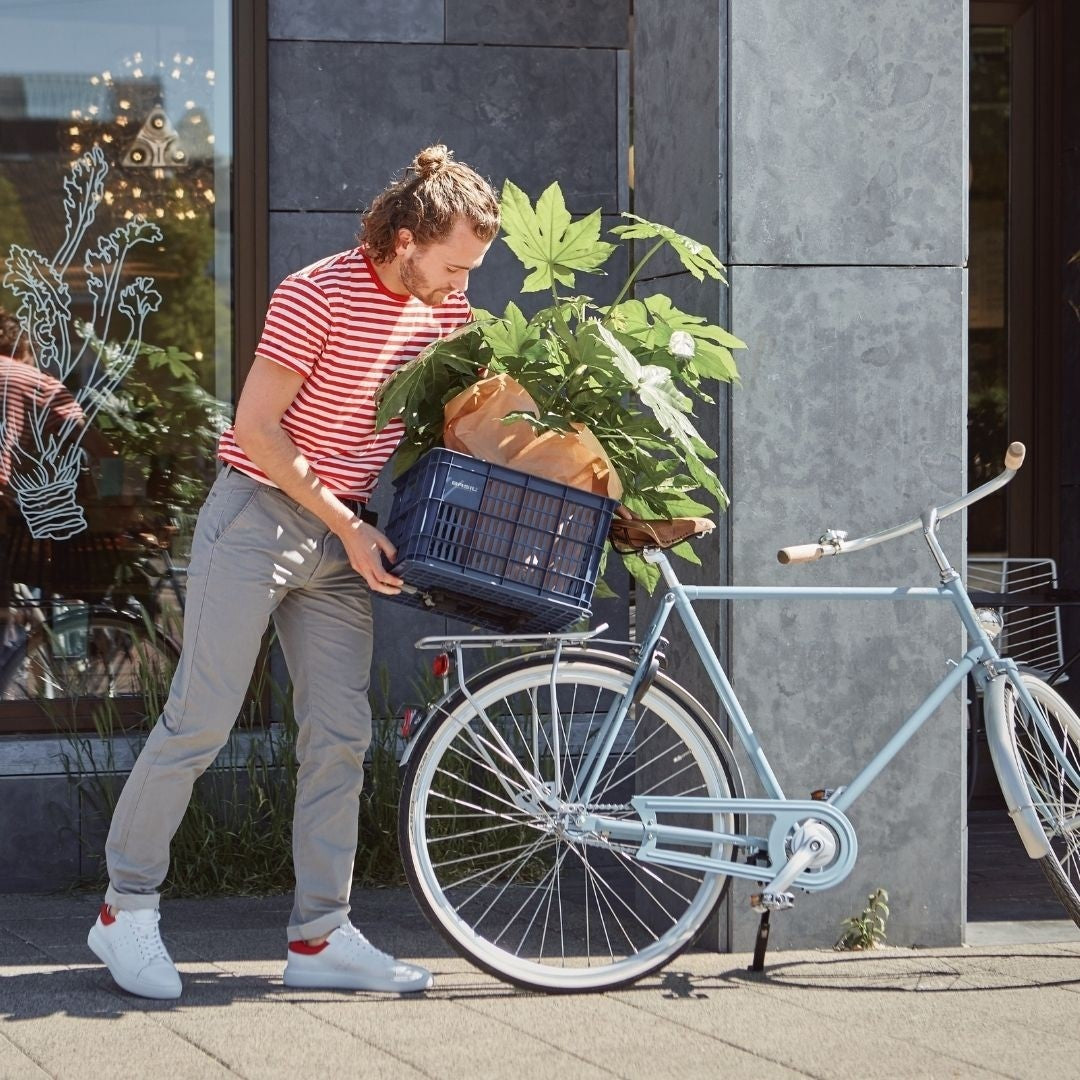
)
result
[(155, 134)]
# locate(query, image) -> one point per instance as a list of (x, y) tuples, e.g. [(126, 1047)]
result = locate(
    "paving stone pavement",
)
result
[(995, 1009)]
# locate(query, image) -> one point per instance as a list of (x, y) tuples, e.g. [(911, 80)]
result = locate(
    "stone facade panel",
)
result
[(848, 132)]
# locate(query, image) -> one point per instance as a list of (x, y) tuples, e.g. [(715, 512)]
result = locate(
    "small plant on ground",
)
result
[(867, 929)]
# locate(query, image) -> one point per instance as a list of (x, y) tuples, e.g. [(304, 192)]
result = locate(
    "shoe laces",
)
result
[(356, 940), (148, 938)]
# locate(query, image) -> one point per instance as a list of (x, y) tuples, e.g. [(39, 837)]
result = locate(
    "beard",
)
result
[(412, 277)]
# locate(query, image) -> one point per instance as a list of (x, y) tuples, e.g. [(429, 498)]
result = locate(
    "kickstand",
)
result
[(762, 943)]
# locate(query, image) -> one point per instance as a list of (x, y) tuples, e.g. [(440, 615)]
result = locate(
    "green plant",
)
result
[(378, 858), (630, 371), (867, 929), (236, 836)]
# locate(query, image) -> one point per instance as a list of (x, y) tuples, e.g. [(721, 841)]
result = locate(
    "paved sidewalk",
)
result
[(985, 1011)]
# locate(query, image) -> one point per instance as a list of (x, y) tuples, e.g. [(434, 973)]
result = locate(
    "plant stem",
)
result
[(563, 328), (633, 275)]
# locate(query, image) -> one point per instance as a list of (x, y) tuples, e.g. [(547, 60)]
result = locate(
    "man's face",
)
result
[(431, 273)]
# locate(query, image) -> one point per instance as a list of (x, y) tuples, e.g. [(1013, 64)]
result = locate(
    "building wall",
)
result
[(840, 182), (533, 93), (819, 147)]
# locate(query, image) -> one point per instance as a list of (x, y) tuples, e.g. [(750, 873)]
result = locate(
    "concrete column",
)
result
[(848, 129)]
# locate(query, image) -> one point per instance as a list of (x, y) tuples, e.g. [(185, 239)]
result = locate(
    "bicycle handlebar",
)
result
[(1014, 456), (801, 553), (836, 543)]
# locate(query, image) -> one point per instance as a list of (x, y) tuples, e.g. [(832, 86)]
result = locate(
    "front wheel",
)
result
[(513, 881), (1047, 746)]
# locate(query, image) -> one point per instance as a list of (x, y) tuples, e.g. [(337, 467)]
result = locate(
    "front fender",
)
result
[(1013, 786)]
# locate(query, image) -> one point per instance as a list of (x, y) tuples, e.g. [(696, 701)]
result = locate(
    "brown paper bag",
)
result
[(574, 457), (472, 421), (472, 424)]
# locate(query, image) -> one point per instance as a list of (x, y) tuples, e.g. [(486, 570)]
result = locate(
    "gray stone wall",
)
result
[(534, 93), (848, 244), (834, 189)]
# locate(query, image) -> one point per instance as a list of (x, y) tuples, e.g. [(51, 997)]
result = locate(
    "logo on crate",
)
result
[(463, 492)]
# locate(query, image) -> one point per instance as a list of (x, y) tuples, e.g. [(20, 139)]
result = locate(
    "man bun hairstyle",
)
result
[(427, 199)]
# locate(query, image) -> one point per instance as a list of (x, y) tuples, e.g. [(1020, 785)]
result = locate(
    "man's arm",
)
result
[(268, 391)]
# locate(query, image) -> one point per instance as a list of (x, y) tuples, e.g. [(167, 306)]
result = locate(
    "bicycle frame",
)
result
[(981, 660)]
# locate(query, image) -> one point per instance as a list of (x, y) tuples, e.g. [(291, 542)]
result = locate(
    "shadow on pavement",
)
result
[(878, 972)]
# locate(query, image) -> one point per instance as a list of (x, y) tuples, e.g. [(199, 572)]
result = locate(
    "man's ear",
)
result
[(405, 241)]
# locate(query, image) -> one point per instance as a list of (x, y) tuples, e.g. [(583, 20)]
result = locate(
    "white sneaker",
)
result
[(348, 961), (130, 946)]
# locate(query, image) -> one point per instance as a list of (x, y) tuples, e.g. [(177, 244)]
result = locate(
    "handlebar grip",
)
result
[(1014, 456), (800, 553)]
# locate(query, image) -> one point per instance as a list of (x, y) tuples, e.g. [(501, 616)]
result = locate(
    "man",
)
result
[(285, 534)]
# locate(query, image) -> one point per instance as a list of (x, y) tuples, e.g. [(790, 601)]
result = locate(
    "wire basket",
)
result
[(1031, 634), (498, 548)]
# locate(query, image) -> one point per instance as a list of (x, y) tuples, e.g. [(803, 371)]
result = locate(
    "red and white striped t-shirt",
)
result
[(337, 325)]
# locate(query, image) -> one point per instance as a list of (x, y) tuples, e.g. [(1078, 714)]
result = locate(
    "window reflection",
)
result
[(988, 343), (115, 163)]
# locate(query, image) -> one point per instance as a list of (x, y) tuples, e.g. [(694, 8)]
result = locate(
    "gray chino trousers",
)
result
[(258, 555)]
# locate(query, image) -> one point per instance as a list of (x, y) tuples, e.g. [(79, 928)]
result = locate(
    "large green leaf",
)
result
[(679, 504), (652, 322), (655, 389), (642, 572), (417, 389), (712, 357), (512, 335), (698, 258), (546, 239), (664, 311)]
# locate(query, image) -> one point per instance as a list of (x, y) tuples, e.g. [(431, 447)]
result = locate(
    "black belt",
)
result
[(369, 517)]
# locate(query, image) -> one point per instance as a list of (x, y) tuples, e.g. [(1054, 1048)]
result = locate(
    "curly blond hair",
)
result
[(427, 199)]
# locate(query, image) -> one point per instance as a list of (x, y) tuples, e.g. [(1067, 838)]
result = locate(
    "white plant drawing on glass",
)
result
[(47, 453)]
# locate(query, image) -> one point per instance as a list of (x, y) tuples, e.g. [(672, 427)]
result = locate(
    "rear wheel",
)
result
[(514, 882), (88, 653), (1048, 753)]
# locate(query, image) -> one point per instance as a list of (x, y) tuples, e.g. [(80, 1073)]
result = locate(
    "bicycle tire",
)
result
[(91, 653), (554, 912), (1052, 775)]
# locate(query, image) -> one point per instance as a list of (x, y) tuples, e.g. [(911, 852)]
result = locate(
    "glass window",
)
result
[(116, 333), (988, 324)]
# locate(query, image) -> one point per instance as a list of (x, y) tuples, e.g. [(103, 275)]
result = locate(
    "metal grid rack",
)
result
[(1032, 634)]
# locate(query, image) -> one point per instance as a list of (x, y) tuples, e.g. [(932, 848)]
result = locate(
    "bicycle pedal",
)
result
[(768, 901)]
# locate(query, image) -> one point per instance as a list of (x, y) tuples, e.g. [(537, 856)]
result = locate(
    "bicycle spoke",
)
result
[(472, 785)]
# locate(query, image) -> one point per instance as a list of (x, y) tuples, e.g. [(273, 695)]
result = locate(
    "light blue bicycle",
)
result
[(571, 816)]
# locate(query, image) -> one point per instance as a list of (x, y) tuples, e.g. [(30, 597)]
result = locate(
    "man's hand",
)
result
[(365, 547)]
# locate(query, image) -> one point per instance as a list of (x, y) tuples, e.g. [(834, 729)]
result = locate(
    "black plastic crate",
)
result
[(499, 548)]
